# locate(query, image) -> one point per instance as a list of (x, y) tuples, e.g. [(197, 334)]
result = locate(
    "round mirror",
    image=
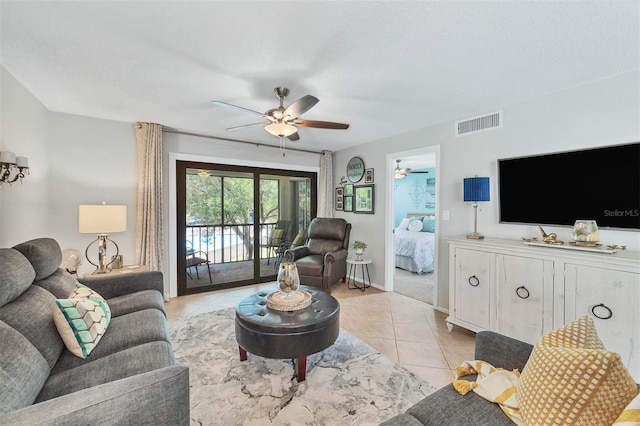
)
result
[(355, 169)]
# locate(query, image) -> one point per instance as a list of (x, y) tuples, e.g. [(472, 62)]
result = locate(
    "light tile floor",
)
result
[(406, 330)]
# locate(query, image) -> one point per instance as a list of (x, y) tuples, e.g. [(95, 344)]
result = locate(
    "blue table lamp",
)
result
[(476, 189)]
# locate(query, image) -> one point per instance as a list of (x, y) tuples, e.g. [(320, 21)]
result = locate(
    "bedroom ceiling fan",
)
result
[(284, 122), (399, 172)]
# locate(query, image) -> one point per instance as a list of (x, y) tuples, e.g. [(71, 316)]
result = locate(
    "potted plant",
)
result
[(359, 247)]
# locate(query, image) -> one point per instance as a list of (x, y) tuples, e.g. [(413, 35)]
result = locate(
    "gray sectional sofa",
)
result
[(131, 376), (447, 407)]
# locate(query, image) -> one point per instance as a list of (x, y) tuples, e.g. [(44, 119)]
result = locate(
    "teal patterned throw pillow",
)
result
[(84, 292), (81, 321)]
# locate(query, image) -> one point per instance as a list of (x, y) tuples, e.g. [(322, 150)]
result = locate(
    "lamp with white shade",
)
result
[(476, 189), (102, 220)]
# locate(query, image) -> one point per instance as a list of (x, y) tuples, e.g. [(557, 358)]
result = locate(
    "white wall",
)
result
[(74, 160), (23, 130), (604, 112), (91, 161)]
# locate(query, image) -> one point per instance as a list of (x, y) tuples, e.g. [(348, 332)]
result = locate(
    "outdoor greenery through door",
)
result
[(234, 222)]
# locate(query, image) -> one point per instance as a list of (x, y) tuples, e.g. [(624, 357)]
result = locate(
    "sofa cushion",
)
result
[(44, 254), (138, 301), (327, 228), (23, 370), (30, 315), (81, 323), (135, 360), (60, 283), (447, 407), (124, 332), (311, 266), (321, 246), (298, 240), (16, 275), (571, 378)]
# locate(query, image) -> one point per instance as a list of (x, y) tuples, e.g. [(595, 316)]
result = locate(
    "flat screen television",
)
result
[(602, 184)]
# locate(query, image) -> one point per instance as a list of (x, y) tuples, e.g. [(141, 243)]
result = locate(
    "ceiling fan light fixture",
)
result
[(281, 129), (398, 174)]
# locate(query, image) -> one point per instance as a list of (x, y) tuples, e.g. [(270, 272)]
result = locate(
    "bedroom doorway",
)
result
[(412, 263)]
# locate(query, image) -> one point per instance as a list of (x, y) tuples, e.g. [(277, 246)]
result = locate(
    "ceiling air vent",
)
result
[(479, 124)]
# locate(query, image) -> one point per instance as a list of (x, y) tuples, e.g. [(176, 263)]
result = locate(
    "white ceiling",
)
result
[(384, 67)]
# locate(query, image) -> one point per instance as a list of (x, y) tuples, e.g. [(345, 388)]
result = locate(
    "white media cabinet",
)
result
[(524, 291)]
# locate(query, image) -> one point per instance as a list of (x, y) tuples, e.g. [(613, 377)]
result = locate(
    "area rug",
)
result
[(349, 383)]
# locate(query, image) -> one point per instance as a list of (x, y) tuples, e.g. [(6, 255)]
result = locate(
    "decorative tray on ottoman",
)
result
[(296, 300)]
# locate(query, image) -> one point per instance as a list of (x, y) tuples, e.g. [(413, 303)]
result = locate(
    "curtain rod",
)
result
[(203, 135)]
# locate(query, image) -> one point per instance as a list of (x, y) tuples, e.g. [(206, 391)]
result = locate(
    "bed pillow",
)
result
[(404, 223), (415, 225), (429, 224)]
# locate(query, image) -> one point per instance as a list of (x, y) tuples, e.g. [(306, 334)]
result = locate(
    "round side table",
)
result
[(353, 269)]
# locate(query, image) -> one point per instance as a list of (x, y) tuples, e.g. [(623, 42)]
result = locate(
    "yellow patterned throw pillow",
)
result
[(571, 379)]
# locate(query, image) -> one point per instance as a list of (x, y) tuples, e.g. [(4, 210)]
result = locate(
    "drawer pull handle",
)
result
[(474, 281), (522, 292), (602, 305)]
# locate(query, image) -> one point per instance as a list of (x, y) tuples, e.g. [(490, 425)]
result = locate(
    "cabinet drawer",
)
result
[(473, 287), (523, 285), (611, 299)]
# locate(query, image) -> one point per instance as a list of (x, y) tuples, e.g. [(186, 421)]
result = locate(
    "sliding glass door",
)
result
[(235, 222)]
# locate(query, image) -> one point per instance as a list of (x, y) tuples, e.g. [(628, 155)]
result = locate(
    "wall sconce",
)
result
[(102, 220), (476, 189), (12, 168)]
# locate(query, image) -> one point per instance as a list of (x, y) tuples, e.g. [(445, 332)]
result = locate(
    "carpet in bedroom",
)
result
[(416, 286), (349, 383)]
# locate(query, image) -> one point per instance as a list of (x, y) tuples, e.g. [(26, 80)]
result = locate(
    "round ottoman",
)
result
[(277, 334)]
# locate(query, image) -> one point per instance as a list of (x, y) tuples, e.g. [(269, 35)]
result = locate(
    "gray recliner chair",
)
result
[(322, 260)]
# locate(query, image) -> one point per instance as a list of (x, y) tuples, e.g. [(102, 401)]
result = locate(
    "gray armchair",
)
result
[(322, 260)]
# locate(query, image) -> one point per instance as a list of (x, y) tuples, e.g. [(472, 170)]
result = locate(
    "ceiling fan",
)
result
[(284, 122), (399, 172)]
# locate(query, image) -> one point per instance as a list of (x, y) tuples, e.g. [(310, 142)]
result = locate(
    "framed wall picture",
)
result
[(368, 176), (339, 205), (348, 203), (339, 198), (364, 199), (348, 189)]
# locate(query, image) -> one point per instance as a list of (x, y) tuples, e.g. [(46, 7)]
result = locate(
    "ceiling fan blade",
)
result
[(418, 171), (300, 106), (236, 107), (294, 137), (246, 126), (321, 124)]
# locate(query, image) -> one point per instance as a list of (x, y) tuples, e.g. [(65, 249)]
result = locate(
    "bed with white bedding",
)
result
[(414, 245)]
